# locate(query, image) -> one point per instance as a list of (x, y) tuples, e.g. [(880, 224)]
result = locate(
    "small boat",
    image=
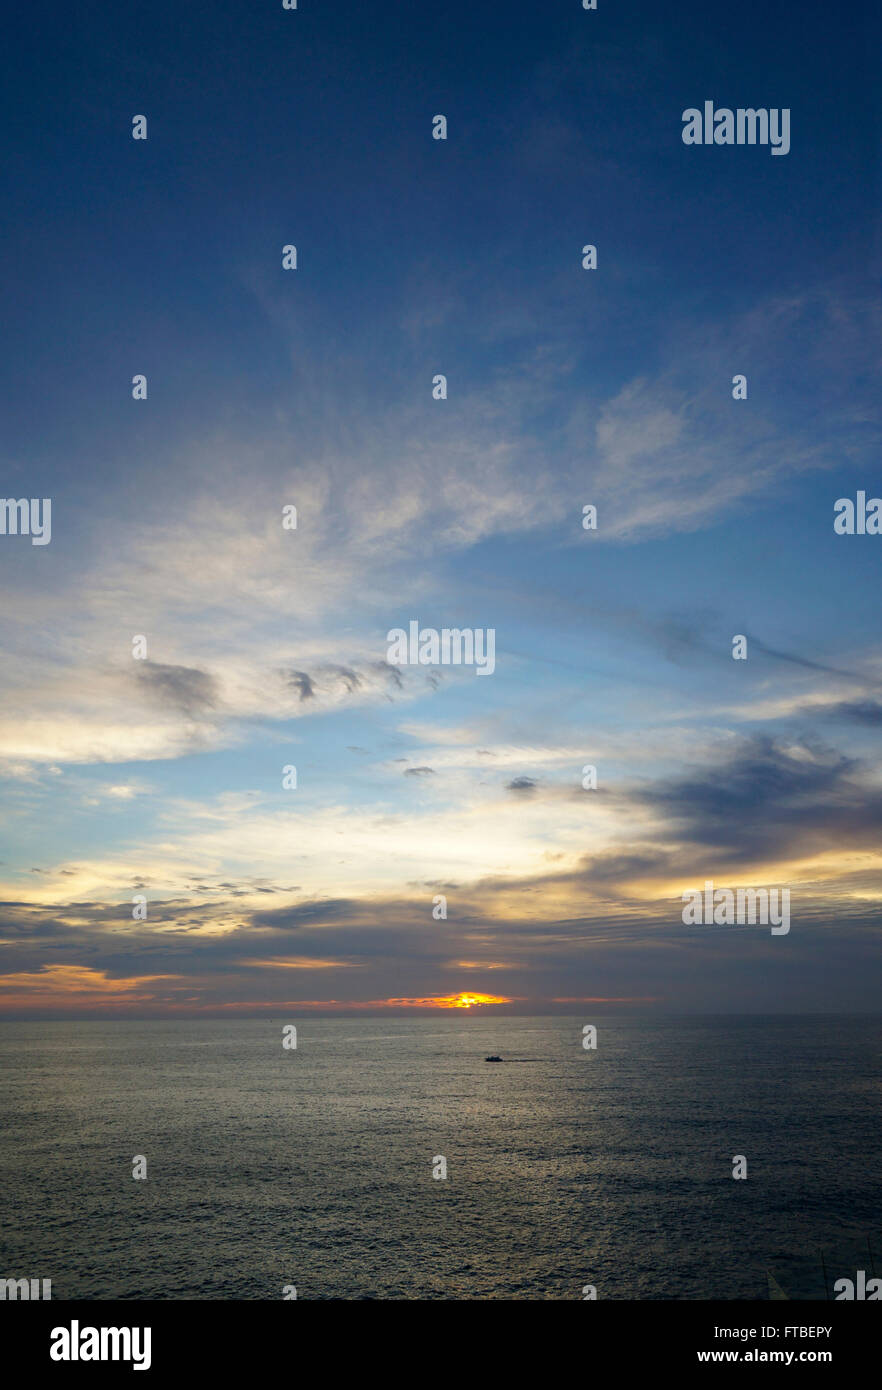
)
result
[(492, 1059)]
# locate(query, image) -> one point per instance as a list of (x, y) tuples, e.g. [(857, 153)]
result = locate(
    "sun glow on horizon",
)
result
[(467, 1001)]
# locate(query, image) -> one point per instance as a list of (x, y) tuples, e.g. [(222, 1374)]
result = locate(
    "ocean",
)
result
[(566, 1168)]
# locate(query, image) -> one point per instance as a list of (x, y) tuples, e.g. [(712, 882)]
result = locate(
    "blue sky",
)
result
[(313, 387)]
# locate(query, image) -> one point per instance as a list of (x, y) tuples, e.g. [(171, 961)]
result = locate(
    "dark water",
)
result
[(314, 1168)]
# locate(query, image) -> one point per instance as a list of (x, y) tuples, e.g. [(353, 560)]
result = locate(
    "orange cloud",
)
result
[(464, 1001), (66, 986), (300, 963), (432, 1001), (485, 965)]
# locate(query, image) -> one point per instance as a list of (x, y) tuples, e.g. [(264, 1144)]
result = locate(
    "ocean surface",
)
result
[(565, 1167)]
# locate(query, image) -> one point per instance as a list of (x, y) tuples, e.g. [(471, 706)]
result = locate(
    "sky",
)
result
[(160, 778)]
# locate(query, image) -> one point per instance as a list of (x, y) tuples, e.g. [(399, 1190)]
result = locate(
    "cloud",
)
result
[(67, 986), (184, 688), (772, 798), (352, 681), (303, 683), (385, 500), (865, 712)]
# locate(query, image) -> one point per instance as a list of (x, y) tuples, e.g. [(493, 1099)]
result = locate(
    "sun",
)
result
[(468, 1001)]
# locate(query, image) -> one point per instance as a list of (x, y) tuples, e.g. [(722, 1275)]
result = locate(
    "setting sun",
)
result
[(465, 1001)]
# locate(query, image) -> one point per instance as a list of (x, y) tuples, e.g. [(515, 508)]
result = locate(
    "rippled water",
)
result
[(565, 1167)]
